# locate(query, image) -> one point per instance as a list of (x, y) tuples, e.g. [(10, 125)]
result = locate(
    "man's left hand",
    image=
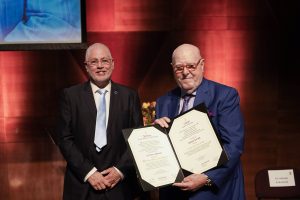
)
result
[(112, 176), (192, 182)]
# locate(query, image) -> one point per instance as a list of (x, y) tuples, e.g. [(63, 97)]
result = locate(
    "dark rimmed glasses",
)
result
[(178, 68), (102, 61)]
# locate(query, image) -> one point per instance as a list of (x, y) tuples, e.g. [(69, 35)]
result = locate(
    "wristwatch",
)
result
[(209, 182)]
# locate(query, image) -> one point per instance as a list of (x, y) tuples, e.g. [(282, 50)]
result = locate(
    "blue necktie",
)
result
[(100, 131), (186, 99)]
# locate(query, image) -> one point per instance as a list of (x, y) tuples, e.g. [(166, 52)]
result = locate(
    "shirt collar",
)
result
[(95, 88), (184, 93)]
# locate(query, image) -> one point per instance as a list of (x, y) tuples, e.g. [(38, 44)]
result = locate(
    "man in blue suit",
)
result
[(225, 182)]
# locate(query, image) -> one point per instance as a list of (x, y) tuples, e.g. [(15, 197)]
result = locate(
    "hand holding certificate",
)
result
[(162, 156)]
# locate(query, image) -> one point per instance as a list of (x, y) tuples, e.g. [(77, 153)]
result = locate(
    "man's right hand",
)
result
[(163, 122), (98, 182)]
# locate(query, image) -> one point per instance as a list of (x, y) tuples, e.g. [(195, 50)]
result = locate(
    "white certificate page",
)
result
[(154, 156), (195, 142)]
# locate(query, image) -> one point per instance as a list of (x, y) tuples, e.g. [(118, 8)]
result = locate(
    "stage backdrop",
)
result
[(250, 45)]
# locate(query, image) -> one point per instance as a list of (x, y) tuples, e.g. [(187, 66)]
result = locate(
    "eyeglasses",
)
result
[(178, 68), (102, 61)]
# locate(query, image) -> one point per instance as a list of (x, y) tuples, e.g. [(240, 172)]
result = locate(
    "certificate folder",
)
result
[(164, 156)]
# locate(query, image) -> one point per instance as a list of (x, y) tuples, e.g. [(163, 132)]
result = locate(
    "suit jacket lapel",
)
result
[(174, 103), (113, 108), (202, 95), (88, 99)]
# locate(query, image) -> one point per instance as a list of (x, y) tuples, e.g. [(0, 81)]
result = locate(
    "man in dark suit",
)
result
[(93, 171), (222, 183)]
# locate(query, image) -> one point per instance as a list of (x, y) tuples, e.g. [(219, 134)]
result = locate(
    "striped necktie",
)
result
[(186, 100)]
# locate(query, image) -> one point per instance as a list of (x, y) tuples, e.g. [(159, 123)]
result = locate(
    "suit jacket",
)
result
[(76, 140), (223, 106)]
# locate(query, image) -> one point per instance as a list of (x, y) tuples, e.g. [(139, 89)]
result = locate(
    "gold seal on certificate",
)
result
[(163, 156)]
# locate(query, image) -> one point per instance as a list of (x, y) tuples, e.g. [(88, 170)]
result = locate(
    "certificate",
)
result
[(154, 157), (163, 156)]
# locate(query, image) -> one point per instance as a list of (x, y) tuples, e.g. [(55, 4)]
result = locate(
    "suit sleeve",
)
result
[(76, 161), (231, 129)]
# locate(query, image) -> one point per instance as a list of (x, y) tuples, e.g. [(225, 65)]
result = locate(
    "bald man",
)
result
[(222, 183), (97, 172)]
